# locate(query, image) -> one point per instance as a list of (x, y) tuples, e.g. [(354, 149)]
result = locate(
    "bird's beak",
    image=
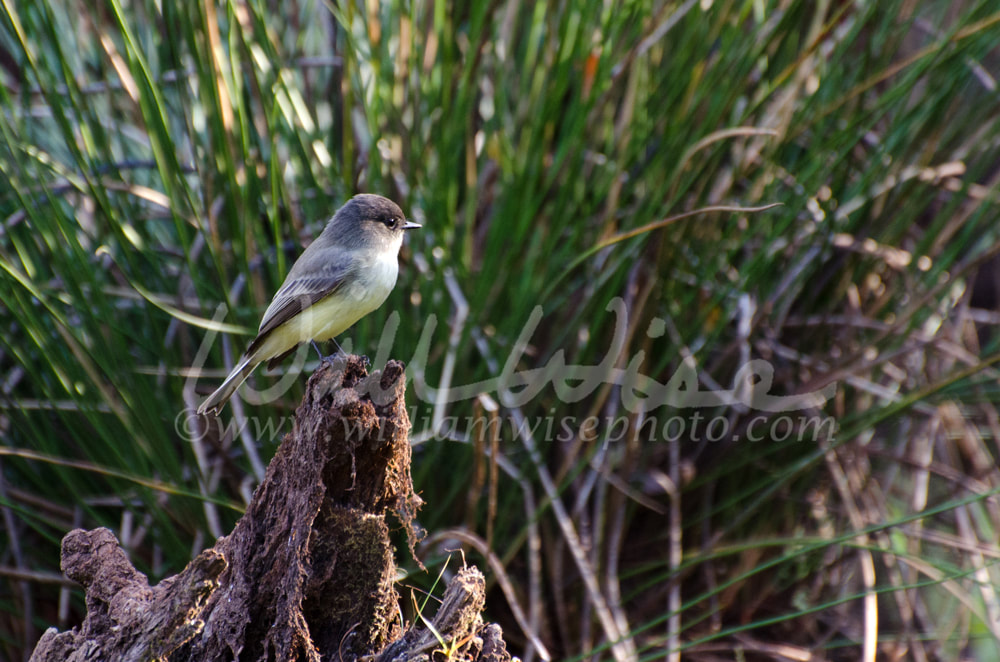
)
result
[(410, 225)]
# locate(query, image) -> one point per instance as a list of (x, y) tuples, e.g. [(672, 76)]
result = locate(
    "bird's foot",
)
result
[(330, 359)]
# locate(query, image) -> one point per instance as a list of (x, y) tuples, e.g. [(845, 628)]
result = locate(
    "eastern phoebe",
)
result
[(342, 276)]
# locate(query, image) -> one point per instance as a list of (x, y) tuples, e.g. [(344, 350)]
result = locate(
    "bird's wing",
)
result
[(295, 296)]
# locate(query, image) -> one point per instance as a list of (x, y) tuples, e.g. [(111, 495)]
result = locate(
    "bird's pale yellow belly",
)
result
[(336, 313)]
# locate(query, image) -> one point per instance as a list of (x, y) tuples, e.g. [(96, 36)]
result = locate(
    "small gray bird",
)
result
[(346, 273)]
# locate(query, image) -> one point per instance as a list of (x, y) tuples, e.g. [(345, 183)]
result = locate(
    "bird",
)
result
[(345, 274)]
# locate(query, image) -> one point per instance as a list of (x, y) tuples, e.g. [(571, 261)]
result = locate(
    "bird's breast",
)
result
[(375, 279)]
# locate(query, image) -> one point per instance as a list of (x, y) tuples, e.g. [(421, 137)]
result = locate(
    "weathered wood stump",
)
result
[(308, 571)]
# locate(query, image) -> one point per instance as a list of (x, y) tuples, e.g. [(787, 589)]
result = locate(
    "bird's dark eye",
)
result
[(391, 222)]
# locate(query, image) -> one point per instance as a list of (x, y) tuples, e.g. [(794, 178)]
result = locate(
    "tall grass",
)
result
[(161, 159)]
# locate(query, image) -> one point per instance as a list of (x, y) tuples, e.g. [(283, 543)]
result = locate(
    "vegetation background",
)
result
[(159, 159)]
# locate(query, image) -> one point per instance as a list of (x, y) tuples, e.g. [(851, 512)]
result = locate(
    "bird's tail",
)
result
[(215, 402)]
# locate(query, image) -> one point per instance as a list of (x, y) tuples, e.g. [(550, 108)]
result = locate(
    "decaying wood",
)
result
[(307, 573), (457, 631)]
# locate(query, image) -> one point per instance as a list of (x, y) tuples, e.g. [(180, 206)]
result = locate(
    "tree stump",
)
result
[(308, 571)]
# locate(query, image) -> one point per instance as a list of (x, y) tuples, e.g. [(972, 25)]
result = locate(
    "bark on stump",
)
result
[(308, 571)]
